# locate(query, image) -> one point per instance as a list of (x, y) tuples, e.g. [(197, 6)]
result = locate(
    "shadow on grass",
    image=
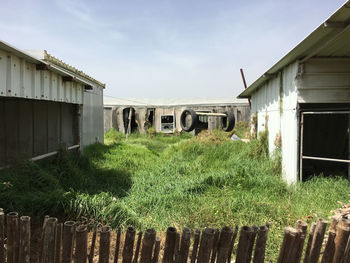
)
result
[(44, 187)]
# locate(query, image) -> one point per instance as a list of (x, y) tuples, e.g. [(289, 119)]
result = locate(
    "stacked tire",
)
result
[(227, 123)]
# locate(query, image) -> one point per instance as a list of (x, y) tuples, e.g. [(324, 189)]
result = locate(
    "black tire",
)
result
[(228, 123), (194, 120)]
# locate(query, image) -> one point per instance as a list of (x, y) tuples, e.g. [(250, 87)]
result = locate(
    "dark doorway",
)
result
[(325, 140), (129, 120)]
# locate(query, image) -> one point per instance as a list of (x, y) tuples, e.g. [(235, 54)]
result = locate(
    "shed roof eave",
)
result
[(321, 36)]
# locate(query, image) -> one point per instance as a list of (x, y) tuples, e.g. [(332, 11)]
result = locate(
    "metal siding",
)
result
[(2, 132), (289, 125), (25, 120), (3, 70), (266, 102), (92, 121), (19, 78), (325, 81)]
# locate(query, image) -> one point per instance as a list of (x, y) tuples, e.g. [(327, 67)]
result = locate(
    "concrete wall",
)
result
[(32, 127), (114, 115), (275, 105)]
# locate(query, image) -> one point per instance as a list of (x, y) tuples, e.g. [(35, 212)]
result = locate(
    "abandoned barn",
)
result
[(45, 104), (164, 114), (303, 101)]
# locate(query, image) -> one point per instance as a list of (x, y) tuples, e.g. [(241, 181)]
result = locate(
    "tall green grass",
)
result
[(157, 181)]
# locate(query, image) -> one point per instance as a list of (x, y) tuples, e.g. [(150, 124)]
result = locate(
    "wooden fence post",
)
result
[(117, 246), (197, 234), (49, 239), (301, 226), (224, 244), (68, 240), (147, 246), (205, 245), (58, 242), (156, 251), (215, 245), (317, 240), (341, 239), (81, 239), (93, 243), (185, 245), (169, 247), (24, 240), (138, 245), (129, 245), (289, 240), (243, 244), (259, 253), (2, 236), (251, 242), (329, 248), (309, 242), (105, 240), (12, 237), (232, 244)]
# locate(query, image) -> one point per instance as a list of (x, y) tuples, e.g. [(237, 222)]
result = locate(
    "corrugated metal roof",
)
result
[(43, 55), (330, 39), (108, 101)]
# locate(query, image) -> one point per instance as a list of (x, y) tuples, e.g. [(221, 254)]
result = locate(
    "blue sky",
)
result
[(165, 48)]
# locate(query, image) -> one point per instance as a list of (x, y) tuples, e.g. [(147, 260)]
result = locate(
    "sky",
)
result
[(165, 48)]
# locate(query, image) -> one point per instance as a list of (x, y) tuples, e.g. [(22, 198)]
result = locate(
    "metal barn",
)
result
[(303, 101), (45, 104), (164, 114)]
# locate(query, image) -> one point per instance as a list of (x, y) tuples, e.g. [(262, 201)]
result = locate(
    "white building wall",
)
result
[(275, 104), (20, 79), (92, 117), (289, 124)]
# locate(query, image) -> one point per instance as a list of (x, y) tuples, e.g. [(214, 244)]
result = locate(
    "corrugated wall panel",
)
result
[(21, 79), (325, 81), (289, 124)]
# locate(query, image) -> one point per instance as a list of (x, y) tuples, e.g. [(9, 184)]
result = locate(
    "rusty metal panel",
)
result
[(11, 130), (25, 122), (40, 127), (54, 129), (2, 132)]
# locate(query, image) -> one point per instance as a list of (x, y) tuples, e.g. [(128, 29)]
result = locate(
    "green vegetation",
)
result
[(156, 181)]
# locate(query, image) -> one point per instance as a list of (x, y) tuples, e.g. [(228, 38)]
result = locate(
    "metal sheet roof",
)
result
[(330, 39), (131, 102)]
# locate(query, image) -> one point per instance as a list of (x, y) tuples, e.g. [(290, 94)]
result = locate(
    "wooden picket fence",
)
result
[(69, 242)]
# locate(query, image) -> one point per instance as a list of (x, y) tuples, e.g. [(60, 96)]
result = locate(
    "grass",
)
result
[(157, 181)]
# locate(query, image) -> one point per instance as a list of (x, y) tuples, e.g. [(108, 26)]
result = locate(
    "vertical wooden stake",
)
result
[(251, 242), (68, 240), (329, 248), (317, 240), (93, 243), (215, 245), (197, 234), (185, 245), (24, 237), (301, 226), (81, 239), (147, 246), (243, 244), (289, 240), (12, 237), (232, 244), (129, 245), (206, 245), (58, 242), (105, 239), (309, 242), (138, 245), (117, 246), (224, 244), (49, 241), (169, 247), (156, 251), (259, 253), (341, 239)]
